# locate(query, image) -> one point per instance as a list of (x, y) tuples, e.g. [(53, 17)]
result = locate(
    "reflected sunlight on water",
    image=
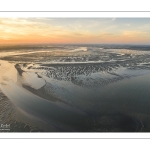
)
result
[(80, 89)]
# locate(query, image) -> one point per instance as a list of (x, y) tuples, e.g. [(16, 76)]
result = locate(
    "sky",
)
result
[(75, 30)]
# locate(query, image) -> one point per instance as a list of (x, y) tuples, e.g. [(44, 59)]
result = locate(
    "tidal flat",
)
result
[(75, 88)]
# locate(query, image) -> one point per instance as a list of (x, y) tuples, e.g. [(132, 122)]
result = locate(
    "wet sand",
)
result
[(74, 93), (9, 115)]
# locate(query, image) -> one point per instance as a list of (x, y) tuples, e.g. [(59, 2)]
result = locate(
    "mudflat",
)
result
[(75, 89)]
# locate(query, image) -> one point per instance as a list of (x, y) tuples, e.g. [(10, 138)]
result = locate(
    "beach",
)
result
[(75, 89)]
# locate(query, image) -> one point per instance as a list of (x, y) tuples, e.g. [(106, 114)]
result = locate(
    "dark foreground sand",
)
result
[(8, 116)]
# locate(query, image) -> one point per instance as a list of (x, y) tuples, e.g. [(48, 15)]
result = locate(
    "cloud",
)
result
[(113, 19), (134, 33), (145, 26), (55, 30), (128, 24), (13, 28)]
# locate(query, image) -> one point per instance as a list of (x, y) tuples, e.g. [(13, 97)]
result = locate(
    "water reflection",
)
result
[(99, 96)]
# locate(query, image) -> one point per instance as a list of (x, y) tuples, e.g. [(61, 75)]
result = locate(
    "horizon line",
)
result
[(8, 44)]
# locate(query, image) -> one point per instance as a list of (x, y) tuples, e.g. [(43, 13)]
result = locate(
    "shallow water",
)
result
[(87, 97)]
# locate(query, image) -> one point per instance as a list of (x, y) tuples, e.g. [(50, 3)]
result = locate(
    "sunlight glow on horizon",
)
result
[(75, 30)]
